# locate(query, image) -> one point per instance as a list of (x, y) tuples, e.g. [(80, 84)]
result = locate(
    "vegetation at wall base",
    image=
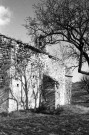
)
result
[(51, 111)]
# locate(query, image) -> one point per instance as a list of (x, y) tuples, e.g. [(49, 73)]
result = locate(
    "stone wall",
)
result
[(61, 93), (68, 86), (4, 101), (60, 90), (4, 75)]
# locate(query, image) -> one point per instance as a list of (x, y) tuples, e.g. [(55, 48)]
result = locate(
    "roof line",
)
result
[(26, 45)]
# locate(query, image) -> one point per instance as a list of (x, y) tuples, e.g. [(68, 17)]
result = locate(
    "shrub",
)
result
[(32, 110), (44, 110), (4, 114), (85, 83), (59, 110), (41, 108)]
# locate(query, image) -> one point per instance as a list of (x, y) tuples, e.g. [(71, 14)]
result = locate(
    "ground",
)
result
[(74, 120), (39, 124)]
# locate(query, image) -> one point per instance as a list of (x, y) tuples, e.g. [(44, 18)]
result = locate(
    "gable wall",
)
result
[(54, 70)]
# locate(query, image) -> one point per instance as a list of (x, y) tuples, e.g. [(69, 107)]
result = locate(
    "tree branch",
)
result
[(80, 64)]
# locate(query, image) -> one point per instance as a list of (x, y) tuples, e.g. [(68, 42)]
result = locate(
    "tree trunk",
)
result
[(35, 103), (26, 99), (26, 93), (17, 105)]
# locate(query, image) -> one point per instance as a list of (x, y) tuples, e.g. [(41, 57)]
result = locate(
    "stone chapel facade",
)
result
[(11, 91)]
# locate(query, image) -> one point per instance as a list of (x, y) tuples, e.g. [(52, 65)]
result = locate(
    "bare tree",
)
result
[(28, 67), (15, 63), (22, 71), (66, 21)]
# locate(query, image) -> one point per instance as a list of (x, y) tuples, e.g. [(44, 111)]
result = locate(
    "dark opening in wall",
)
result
[(17, 85)]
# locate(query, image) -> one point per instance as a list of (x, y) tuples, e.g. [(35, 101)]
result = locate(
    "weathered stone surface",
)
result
[(56, 70)]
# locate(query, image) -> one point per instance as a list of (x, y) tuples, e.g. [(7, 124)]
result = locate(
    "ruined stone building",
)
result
[(52, 79)]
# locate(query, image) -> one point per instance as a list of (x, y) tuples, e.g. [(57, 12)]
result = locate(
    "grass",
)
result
[(39, 124), (74, 120), (79, 95)]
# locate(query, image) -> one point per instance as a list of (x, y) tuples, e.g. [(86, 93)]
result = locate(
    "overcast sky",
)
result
[(12, 16)]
